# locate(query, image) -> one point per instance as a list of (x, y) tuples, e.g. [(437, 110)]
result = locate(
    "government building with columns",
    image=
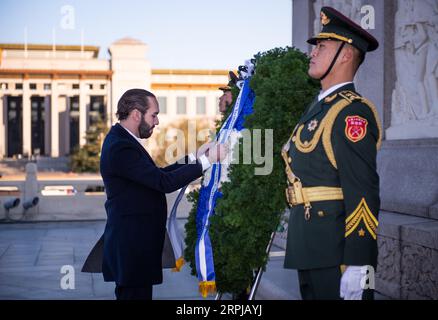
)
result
[(50, 95)]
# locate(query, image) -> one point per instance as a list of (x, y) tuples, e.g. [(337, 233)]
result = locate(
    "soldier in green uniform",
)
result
[(333, 185)]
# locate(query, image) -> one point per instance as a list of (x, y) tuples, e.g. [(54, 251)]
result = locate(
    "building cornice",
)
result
[(48, 47), (38, 73), (190, 72), (186, 86)]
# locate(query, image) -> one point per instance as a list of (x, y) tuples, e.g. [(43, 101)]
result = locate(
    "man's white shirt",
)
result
[(203, 159), (135, 137)]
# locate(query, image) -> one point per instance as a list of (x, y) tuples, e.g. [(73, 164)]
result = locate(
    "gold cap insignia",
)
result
[(324, 19)]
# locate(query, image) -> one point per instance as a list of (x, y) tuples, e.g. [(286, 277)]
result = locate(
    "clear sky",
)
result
[(198, 34)]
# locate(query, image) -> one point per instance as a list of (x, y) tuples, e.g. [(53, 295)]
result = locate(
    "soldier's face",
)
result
[(321, 57), (225, 100)]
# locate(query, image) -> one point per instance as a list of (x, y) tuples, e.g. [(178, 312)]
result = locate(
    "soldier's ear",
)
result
[(348, 54), (358, 57)]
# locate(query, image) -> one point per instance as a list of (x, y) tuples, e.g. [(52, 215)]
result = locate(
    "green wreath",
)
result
[(252, 205)]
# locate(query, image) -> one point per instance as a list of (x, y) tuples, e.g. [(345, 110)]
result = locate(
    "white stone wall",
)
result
[(414, 112), (131, 68)]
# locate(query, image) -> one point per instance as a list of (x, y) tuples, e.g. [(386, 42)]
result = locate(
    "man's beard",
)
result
[(144, 129)]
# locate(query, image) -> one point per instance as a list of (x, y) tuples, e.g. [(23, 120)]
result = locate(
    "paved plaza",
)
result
[(32, 255)]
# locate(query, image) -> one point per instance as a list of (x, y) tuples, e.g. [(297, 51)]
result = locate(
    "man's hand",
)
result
[(204, 149), (217, 153), (210, 153), (351, 288)]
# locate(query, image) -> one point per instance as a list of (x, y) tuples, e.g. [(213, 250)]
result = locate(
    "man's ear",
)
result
[(348, 54), (137, 115)]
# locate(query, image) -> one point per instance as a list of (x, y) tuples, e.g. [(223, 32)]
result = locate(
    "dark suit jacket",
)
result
[(136, 208), (93, 263)]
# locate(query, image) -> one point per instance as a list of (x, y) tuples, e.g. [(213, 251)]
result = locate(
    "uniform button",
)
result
[(306, 143), (289, 159), (294, 138), (321, 214)]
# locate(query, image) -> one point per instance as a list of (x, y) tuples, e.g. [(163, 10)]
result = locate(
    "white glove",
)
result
[(351, 287)]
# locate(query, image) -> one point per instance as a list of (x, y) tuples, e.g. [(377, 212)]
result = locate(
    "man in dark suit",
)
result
[(136, 202)]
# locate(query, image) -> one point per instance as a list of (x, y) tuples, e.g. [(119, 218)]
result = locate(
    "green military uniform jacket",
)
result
[(335, 145)]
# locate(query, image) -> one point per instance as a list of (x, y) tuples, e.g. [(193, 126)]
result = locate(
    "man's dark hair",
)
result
[(133, 99)]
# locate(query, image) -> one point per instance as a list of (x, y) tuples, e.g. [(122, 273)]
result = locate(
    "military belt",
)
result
[(296, 194)]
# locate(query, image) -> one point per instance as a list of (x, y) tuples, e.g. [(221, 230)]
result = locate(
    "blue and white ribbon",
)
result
[(209, 192), (174, 235)]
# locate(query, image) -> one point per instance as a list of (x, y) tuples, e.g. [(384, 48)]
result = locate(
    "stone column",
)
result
[(110, 108), (47, 124), (2, 128), (30, 188), (54, 121), (84, 101), (27, 136), (63, 125), (302, 22), (130, 66), (370, 78)]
